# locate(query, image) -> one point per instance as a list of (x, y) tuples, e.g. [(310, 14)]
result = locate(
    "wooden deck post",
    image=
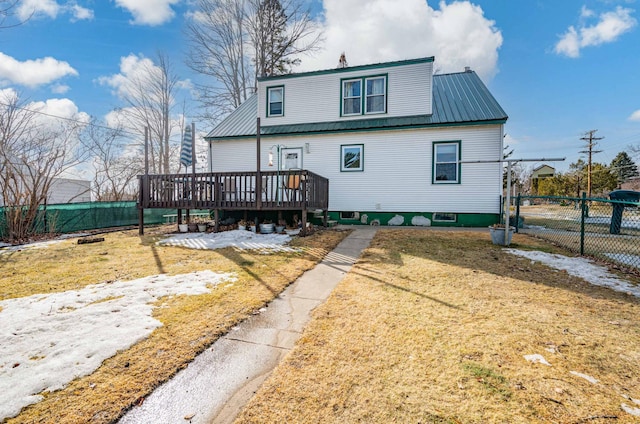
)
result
[(216, 218), (303, 231), (140, 206)]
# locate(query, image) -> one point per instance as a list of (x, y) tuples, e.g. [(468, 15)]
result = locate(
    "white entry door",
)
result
[(291, 158)]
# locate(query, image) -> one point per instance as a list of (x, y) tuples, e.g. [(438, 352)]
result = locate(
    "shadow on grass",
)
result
[(474, 251)]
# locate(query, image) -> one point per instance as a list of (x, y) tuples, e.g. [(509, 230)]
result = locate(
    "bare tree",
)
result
[(234, 41), (280, 32), (33, 152), (7, 12), (149, 98), (218, 40), (116, 162)]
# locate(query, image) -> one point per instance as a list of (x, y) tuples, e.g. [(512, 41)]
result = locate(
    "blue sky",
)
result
[(559, 68)]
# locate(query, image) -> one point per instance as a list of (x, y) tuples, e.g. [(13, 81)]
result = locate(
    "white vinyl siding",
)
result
[(398, 168), (318, 98)]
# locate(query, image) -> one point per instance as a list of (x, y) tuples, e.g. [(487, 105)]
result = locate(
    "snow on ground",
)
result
[(244, 240), (8, 248), (47, 340), (582, 268), (625, 258)]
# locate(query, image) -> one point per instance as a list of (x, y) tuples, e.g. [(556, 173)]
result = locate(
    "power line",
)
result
[(74, 120), (592, 142)]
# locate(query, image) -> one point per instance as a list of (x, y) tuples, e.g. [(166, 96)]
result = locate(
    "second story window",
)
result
[(275, 101), (351, 97), (376, 95), (364, 95)]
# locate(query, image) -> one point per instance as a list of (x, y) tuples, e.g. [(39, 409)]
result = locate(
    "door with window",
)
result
[(291, 160)]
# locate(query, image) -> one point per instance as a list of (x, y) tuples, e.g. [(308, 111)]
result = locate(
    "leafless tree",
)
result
[(116, 162), (234, 41), (33, 152), (280, 31), (149, 98), (218, 40), (7, 12)]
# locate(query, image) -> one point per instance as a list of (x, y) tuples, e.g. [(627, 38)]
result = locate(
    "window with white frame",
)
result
[(446, 162), (376, 95), (275, 101), (351, 97)]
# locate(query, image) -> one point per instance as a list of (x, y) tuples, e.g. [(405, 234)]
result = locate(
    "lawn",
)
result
[(189, 322), (444, 327)]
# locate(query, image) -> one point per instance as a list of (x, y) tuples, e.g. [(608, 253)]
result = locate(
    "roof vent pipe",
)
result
[(467, 69)]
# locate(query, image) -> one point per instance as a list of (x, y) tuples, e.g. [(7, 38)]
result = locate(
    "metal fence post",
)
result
[(583, 207), (517, 211)]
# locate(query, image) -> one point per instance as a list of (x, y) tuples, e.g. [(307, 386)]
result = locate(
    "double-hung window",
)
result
[(275, 101), (446, 162), (352, 97), (376, 95), (364, 95)]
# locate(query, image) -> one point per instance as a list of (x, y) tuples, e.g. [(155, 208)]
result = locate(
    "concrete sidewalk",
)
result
[(220, 381)]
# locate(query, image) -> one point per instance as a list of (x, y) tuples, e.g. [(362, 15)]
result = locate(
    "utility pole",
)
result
[(591, 143)]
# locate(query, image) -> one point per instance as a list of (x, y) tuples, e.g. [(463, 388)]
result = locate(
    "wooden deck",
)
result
[(236, 191)]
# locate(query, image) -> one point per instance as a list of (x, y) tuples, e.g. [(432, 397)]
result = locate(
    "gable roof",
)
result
[(458, 99)]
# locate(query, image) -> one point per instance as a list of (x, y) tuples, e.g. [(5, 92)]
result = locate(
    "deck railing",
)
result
[(276, 190)]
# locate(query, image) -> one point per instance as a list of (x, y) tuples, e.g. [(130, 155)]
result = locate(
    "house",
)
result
[(69, 190), (394, 140), (540, 172)]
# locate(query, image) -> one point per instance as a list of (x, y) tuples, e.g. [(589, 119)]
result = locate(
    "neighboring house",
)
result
[(632, 184), (67, 190), (540, 172), (392, 138)]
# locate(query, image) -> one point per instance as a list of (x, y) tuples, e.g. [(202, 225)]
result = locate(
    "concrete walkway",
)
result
[(220, 381)]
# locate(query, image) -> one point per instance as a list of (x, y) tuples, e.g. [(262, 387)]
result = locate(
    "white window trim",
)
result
[(384, 95), (456, 162), (344, 97), (269, 91)]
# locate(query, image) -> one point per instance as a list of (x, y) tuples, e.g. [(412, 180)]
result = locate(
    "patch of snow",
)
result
[(625, 258), (421, 221), (625, 223), (6, 248), (396, 220), (630, 410), (243, 240), (536, 358), (582, 268), (585, 376), (47, 340)]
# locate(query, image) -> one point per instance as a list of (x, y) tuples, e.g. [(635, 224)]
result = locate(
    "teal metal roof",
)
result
[(458, 99)]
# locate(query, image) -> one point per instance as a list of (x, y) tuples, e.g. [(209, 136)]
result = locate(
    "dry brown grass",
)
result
[(433, 327), (191, 323)]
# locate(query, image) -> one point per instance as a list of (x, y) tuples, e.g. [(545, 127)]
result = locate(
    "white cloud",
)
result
[(80, 13), (149, 12), (29, 8), (373, 31), (635, 116), (609, 27), (63, 108), (32, 73), (60, 88), (133, 69)]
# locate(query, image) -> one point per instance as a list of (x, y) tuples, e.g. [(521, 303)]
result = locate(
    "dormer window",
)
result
[(372, 101), (376, 95), (351, 97), (275, 101)]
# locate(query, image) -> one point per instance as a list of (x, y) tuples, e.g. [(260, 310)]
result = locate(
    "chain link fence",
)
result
[(605, 229)]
